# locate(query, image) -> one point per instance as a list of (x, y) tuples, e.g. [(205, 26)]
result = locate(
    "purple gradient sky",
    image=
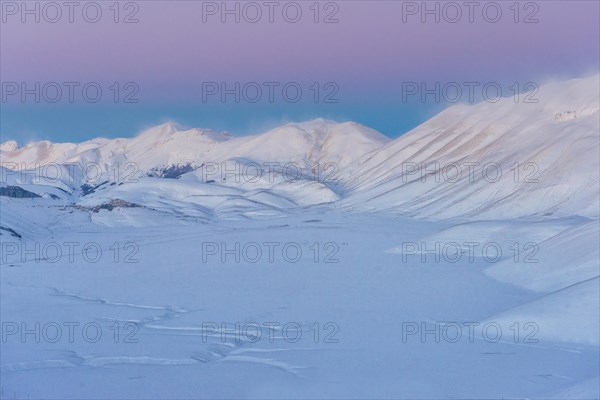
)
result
[(368, 53)]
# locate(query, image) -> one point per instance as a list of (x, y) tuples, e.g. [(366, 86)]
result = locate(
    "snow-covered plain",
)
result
[(316, 260)]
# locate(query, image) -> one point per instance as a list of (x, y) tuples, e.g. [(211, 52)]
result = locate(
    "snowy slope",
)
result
[(528, 159), (560, 261), (566, 270), (566, 315)]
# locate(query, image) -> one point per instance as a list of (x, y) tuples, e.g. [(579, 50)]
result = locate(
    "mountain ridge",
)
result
[(501, 160)]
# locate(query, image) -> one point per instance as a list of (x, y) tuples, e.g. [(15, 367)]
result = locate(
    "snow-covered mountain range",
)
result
[(520, 178), (497, 160)]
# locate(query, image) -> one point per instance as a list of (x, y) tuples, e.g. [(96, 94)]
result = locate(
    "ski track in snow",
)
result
[(228, 349)]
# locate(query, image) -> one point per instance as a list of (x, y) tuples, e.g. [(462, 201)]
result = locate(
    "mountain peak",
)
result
[(160, 131), (9, 145)]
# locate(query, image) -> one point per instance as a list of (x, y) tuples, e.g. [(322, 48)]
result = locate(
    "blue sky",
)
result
[(173, 49)]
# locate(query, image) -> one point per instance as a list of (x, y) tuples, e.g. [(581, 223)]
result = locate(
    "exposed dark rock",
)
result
[(11, 231), (17, 192), (172, 172), (89, 189)]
